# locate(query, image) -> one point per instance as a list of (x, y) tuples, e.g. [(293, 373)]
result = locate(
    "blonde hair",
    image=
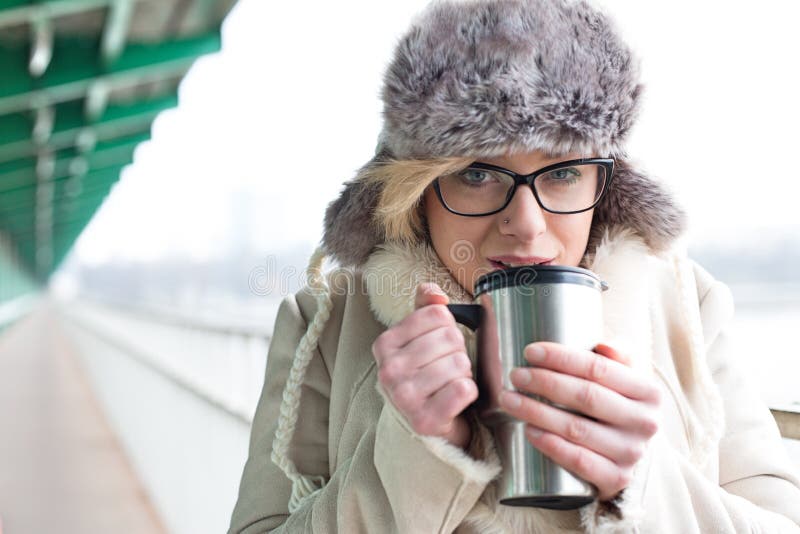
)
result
[(404, 183)]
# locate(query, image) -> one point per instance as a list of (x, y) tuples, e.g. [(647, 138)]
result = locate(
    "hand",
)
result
[(599, 384), (424, 368)]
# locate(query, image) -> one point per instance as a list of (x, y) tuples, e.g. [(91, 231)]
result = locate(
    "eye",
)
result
[(563, 174), (475, 176)]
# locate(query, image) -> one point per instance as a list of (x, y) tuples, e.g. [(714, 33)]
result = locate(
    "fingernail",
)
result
[(535, 353), (509, 400), (533, 431), (435, 291), (520, 376)]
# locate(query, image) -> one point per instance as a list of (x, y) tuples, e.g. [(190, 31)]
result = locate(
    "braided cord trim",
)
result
[(303, 486)]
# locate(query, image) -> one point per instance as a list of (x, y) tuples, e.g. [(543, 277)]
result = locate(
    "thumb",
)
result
[(429, 293)]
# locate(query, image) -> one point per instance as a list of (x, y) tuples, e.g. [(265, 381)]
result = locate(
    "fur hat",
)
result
[(481, 78)]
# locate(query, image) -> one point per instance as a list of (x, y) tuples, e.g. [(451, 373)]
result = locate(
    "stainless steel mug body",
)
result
[(512, 309)]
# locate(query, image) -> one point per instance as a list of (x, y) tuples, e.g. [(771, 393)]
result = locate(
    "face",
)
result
[(472, 246)]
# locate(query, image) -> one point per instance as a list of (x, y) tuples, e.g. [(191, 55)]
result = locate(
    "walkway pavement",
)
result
[(61, 469)]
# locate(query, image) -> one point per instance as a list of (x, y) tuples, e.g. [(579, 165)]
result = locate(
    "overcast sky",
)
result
[(290, 109)]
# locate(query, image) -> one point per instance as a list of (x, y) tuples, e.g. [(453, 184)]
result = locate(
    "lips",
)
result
[(507, 262)]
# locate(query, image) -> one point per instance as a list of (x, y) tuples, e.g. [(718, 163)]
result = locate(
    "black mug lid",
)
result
[(526, 275)]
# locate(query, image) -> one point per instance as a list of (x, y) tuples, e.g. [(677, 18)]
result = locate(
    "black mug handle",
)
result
[(467, 314)]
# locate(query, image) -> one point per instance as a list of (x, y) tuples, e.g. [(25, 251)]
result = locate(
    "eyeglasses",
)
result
[(567, 187)]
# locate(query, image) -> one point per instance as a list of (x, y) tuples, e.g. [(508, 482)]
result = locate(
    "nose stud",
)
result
[(506, 221)]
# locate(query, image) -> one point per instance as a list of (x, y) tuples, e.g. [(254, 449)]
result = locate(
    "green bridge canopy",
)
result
[(81, 81)]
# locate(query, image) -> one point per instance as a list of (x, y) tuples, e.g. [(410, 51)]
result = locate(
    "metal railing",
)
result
[(221, 363), (180, 394)]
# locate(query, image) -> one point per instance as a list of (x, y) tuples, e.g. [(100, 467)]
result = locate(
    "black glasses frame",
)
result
[(530, 179)]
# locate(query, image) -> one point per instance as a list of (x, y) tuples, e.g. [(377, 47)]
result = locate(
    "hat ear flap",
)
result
[(641, 204), (351, 232)]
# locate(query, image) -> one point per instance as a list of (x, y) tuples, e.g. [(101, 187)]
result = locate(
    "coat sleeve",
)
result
[(758, 489), (376, 489), (758, 480)]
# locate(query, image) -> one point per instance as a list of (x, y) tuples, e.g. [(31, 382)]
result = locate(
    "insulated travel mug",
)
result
[(513, 308)]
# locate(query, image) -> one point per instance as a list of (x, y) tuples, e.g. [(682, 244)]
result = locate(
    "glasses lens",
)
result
[(571, 188), (475, 191)]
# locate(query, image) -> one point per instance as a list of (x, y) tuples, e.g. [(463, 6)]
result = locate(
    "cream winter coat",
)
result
[(717, 463)]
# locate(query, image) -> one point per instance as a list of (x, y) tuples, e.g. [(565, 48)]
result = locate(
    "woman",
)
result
[(498, 114)]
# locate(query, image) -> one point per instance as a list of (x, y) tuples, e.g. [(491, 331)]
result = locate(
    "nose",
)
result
[(525, 216)]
